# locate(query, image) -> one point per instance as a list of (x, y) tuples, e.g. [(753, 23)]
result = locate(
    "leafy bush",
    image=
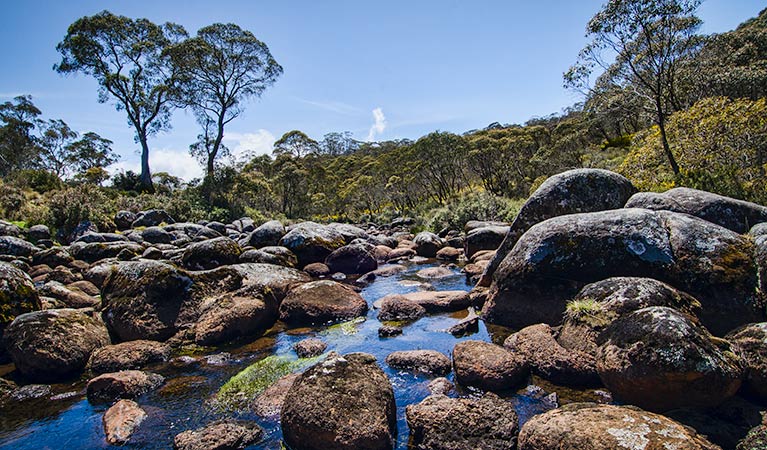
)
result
[(472, 205), (72, 205), (40, 181)]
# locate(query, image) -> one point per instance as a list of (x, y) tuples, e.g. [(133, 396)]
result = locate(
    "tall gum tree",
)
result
[(219, 69), (125, 56), (649, 41)]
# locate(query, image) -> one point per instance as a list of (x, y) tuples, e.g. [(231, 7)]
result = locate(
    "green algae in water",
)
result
[(346, 328), (249, 383)]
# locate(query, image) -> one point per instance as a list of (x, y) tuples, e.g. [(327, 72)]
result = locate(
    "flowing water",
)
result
[(65, 419)]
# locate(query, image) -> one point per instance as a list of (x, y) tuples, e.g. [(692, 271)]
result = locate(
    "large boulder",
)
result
[(553, 260), (268, 234), (598, 304), (658, 359), (736, 215), (397, 307), (344, 403), (321, 302), (17, 295), (570, 192), (750, 343), (127, 355), (221, 435), (348, 231), (211, 253), (607, 427), (488, 366), (443, 423), (9, 229), (231, 316), (430, 362), (53, 344), (13, 246), (156, 235), (484, 238), (124, 219), (96, 251), (147, 300), (128, 384), (312, 242), (351, 259), (427, 244), (549, 360), (37, 233), (152, 218)]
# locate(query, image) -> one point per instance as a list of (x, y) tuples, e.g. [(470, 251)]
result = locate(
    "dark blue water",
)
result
[(184, 402)]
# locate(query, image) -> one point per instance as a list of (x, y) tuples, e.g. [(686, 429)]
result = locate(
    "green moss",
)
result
[(249, 383), (346, 328)]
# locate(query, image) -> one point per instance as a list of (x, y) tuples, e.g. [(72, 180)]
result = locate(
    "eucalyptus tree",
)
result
[(18, 148), (219, 70), (648, 41), (295, 143), (126, 58)]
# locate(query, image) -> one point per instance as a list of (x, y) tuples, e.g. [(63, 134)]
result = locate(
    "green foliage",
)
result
[(472, 205), (588, 311), (72, 205), (38, 180)]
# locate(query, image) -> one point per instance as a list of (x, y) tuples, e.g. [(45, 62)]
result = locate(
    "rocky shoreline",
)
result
[(656, 299)]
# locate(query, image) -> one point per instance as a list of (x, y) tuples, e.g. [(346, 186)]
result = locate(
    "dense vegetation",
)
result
[(668, 107)]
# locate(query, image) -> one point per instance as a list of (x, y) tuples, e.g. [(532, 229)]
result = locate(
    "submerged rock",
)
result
[(121, 420), (223, 435), (309, 348), (344, 402), (443, 423), (607, 427)]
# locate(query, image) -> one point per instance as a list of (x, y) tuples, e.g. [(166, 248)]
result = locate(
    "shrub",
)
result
[(72, 205), (472, 205)]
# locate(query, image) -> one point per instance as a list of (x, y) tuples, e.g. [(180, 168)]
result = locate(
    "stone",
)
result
[(121, 420), (351, 259), (555, 259), (96, 251), (440, 385), (267, 234), (55, 256), (488, 366), (13, 246), (231, 316), (449, 254), (348, 231), (309, 348), (128, 355), (123, 384), (210, 254), (344, 403), (321, 302), (430, 362), (570, 192), (269, 403), (467, 325), (37, 233), (435, 273), (312, 242), (17, 295), (736, 215), (317, 270), (427, 244), (70, 297), (437, 301), (53, 344), (221, 435), (400, 253), (387, 331), (549, 360), (484, 238), (443, 423), (152, 218), (750, 343), (156, 235), (657, 359), (124, 220), (398, 307), (607, 427)]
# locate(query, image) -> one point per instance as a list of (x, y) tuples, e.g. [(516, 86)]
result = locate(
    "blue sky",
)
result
[(382, 70)]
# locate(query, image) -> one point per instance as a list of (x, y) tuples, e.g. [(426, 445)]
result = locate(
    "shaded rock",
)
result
[(124, 384), (156, 235), (400, 253), (86, 287), (321, 302), (124, 220), (152, 218), (267, 234), (258, 256), (312, 242), (210, 254), (435, 273), (128, 355), (756, 439), (309, 348), (724, 425), (488, 366), (381, 252), (443, 423), (439, 301), (656, 358), (55, 256), (554, 259), (231, 316), (348, 231), (30, 392), (607, 427), (53, 344), (344, 402), (96, 251), (551, 361), (351, 259), (14, 246), (286, 256), (71, 297), (37, 233), (427, 244), (317, 270), (467, 325), (17, 296), (598, 304), (223, 435), (750, 343), (386, 331), (430, 362), (9, 229), (736, 215), (397, 307), (485, 238), (121, 420), (449, 254), (269, 403)]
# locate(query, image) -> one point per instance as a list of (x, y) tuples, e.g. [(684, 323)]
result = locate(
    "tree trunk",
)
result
[(146, 176), (664, 139)]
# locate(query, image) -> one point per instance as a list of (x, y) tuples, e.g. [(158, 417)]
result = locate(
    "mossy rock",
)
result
[(17, 294)]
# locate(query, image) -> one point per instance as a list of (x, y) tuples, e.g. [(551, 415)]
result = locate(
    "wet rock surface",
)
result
[(488, 366), (321, 302), (225, 435), (121, 420), (429, 362)]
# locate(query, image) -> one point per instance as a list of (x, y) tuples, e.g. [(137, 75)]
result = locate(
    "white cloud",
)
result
[(336, 107), (176, 162), (245, 145), (379, 124)]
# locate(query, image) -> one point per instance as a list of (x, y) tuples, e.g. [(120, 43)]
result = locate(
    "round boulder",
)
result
[(53, 344), (397, 307), (750, 343), (210, 254), (344, 403), (430, 362), (128, 384), (268, 234), (488, 366), (312, 242), (658, 359), (222, 435), (321, 302), (128, 355), (607, 427), (351, 259), (427, 244)]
